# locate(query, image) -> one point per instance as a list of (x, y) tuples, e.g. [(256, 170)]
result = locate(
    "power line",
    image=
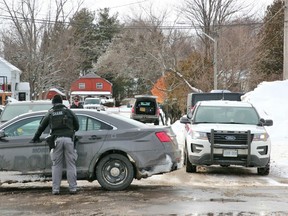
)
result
[(129, 4), (261, 41), (176, 27)]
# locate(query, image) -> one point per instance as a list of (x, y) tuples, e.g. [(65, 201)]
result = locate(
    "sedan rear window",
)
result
[(89, 124)]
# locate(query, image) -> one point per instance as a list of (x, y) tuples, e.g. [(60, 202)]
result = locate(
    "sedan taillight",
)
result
[(163, 136)]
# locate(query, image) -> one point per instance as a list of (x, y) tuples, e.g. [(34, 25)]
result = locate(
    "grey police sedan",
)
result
[(112, 149)]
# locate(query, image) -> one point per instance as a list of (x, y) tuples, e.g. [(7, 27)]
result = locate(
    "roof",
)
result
[(9, 65), (225, 103), (90, 93), (91, 75), (145, 96), (58, 91)]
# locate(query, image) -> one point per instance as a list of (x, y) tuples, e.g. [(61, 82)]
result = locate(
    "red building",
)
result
[(53, 91), (91, 85)]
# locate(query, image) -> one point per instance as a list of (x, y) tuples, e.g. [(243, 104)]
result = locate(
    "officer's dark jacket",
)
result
[(65, 131)]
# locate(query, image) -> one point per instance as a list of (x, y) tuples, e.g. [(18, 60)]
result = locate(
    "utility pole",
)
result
[(215, 58), (285, 51), (215, 63)]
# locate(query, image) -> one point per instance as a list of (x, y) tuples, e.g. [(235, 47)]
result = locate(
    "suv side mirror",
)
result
[(184, 120), (189, 115), (267, 122)]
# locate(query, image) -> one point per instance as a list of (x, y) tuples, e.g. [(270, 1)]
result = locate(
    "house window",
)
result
[(81, 85), (99, 85)]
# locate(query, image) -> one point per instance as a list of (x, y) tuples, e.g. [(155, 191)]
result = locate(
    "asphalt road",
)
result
[(213, 191)]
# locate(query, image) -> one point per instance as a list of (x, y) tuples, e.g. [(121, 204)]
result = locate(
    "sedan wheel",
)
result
[(114, 172)]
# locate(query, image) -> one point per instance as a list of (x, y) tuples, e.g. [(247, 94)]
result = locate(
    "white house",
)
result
[(10, 82)]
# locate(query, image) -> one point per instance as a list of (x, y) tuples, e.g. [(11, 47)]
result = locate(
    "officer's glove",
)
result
[(34, 140)]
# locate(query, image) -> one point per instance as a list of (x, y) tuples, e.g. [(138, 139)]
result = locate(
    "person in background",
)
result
[(63, 125), (76, 103)]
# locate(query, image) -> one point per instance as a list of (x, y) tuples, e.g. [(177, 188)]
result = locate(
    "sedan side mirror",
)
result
[(2, 134)]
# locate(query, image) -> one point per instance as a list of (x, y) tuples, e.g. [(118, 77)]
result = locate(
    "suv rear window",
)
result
[(146, 107)]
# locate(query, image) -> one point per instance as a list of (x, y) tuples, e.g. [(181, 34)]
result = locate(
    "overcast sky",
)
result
[(126, 7), (131, 7)]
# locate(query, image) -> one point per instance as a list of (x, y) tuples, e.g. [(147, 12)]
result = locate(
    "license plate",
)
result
[(142, 109), (230, 153)]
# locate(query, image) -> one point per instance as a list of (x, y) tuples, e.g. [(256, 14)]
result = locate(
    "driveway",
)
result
[(211, 191)]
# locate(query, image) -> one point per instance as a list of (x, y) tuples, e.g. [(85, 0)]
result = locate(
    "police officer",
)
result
[(63, 124)]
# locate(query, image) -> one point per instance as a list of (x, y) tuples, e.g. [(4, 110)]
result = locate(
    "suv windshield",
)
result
[(92, 101), (222, 115)]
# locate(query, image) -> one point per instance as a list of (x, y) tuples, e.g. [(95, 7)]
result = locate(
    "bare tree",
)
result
[(216, 21), (208, 15), (235, 53), (39, 46), (146, 50)]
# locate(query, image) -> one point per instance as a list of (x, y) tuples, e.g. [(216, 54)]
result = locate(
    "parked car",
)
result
[(146, 109), (93, 103), (226, 133), (112, 149), (13, 109)]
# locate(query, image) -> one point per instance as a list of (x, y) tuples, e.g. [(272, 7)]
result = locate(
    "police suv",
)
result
[(226, 133)]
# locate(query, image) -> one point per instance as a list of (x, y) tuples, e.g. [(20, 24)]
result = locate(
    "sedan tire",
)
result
[(114, 172)]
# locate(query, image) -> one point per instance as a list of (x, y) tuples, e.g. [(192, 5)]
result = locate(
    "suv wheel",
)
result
[(264, 170), (189, 167), (184, 154), (156, 122)]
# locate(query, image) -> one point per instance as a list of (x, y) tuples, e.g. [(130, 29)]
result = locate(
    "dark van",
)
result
[(193, 98)]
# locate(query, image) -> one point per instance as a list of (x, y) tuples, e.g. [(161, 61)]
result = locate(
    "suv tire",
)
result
[(189, 167), (264, 170), (156, 122)]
